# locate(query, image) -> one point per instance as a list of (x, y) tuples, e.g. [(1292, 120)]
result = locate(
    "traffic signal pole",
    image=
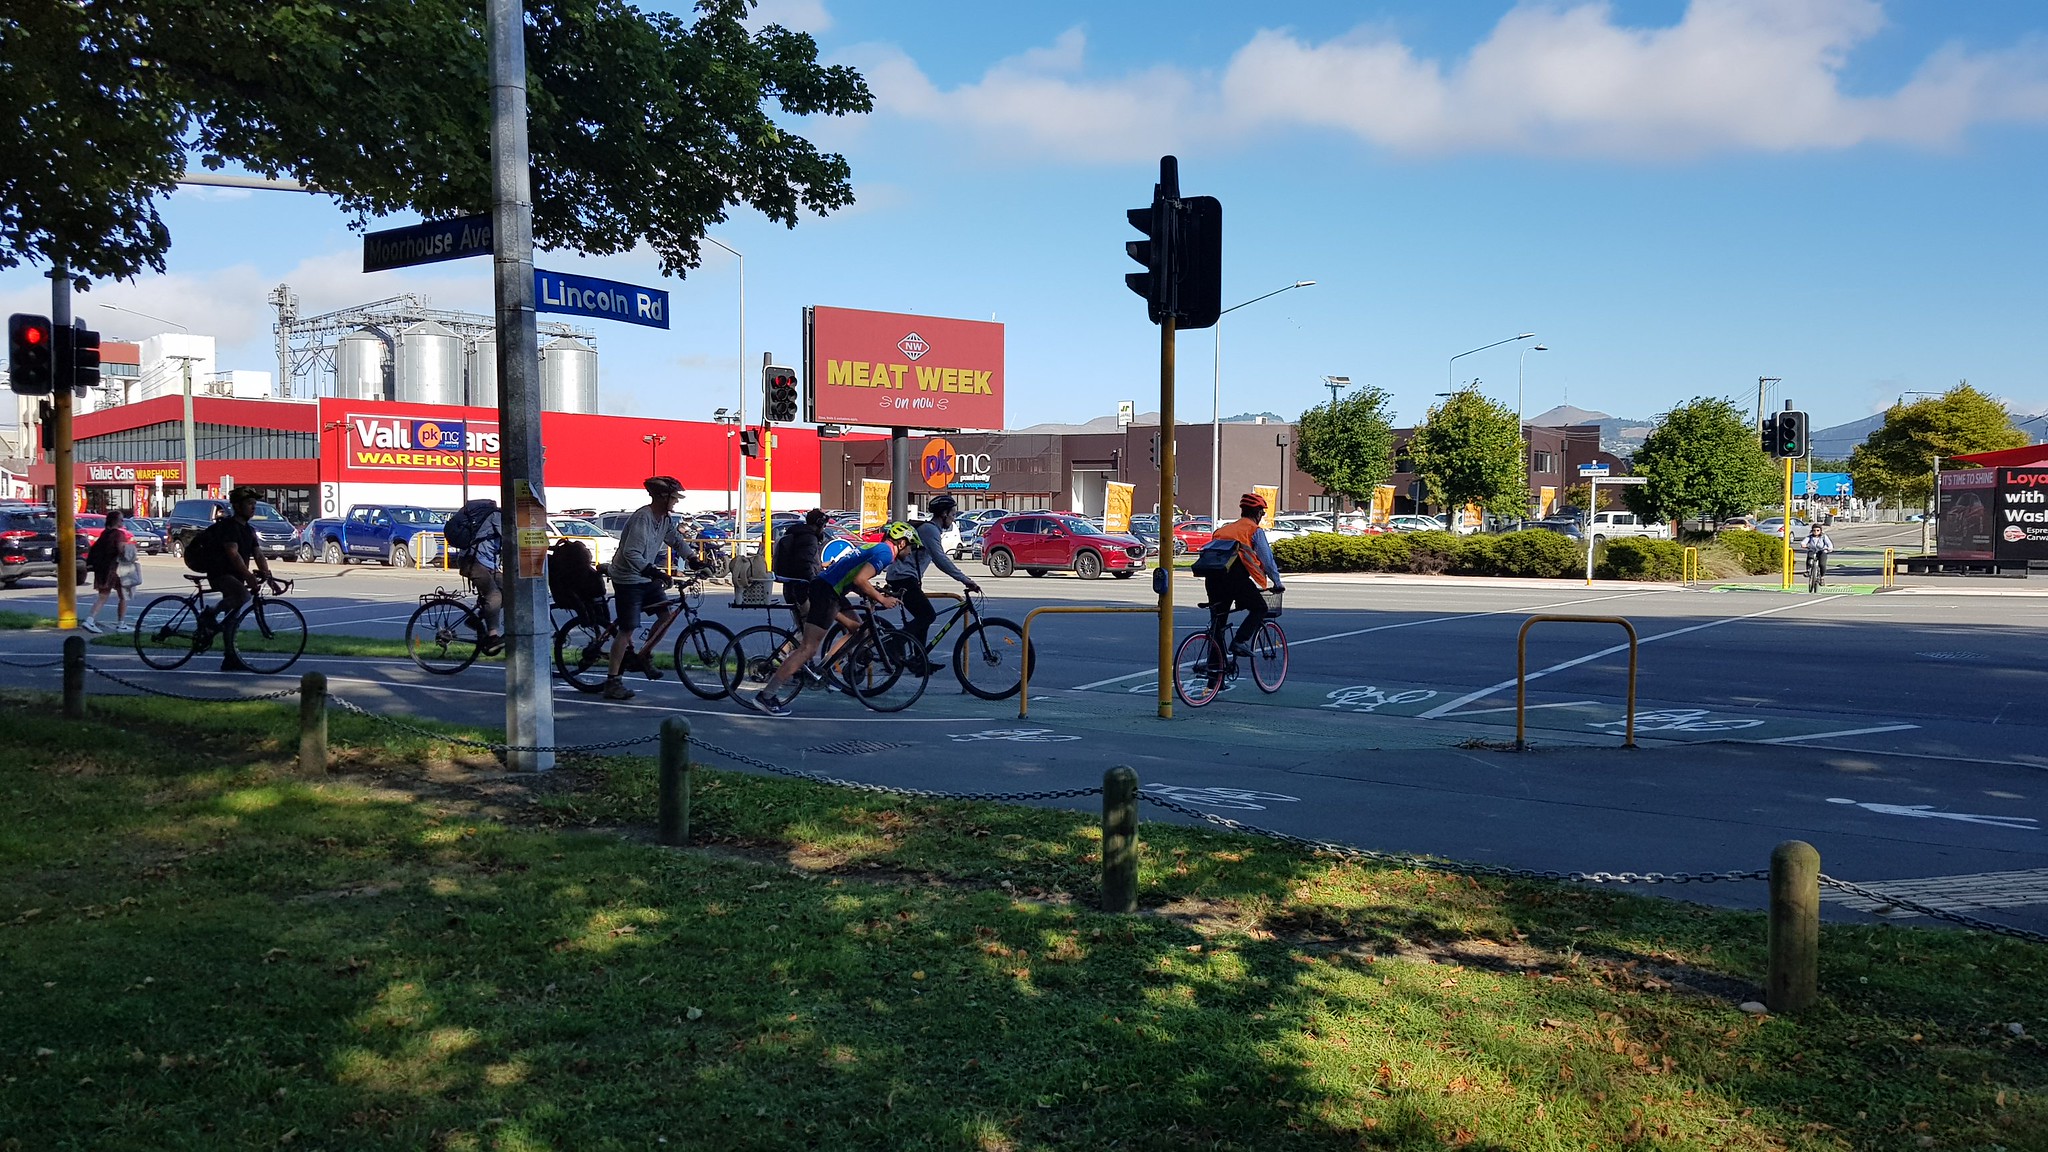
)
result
[(1166, 499), (1787, 585), (67, 500)]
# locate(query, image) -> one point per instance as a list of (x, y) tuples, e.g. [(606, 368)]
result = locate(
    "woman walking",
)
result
[(111, 560)]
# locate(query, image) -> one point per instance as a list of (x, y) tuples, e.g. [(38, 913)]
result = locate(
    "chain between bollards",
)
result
[(74, 677), (1120, 840), (1793, 982), (313, 723), (676, 779)]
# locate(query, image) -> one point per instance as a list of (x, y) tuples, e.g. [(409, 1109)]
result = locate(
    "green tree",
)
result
[(1704, 460), (643, 127), (1347, 445), (1897, 460), (1469, 451)]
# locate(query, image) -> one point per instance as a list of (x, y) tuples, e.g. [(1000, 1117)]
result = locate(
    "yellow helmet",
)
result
[(900, 533)]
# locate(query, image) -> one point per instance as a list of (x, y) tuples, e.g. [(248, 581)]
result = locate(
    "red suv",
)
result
[(1039, 542)]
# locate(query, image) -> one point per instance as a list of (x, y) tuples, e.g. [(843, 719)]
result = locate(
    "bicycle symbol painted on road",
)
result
[(1242, 799), (1014, 735), (1678, 720), (1368, 698)]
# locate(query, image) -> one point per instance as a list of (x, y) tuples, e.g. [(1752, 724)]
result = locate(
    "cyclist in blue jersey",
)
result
[(825, 601)]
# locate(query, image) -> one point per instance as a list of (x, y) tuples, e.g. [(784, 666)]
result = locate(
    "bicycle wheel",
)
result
[(871, 672), (1269, 658), (1813, 577), (752, 657), (443, 636), (583, 654), (268, 635), (883, 669), (166, 632), (1198, 670), (989, 659), (698, 651)]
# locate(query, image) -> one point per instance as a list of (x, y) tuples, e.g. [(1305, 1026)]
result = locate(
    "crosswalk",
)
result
[(1973, 892)]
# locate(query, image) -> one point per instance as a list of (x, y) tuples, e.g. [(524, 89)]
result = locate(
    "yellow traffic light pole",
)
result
[(1787, 584)]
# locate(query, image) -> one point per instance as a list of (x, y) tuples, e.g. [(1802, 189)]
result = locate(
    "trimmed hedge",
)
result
[(1640, 558), (1528, 553), (1757, 552)]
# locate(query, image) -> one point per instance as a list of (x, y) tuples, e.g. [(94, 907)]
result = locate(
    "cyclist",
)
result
[(480, 563), (227, 552), (926, 546), (637, 582), (1818, 545), (825, 601), (1253, 568)]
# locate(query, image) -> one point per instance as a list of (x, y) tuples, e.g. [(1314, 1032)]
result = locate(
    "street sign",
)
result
[(602, 299), (1125, 410), (428, 243), (1588, 471)]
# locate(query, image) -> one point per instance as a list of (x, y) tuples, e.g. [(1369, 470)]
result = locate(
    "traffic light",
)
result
[(78, 357), (1155, 448), (31, 355), (1791, 435), (1770, 434), (1182, 253), (1155, 252), (750, 443), (779, 394)]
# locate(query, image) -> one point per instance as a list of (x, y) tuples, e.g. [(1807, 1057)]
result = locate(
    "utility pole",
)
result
[(66, 502)]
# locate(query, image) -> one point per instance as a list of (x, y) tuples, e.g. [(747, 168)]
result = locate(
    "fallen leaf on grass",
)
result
[(1550, 1022)]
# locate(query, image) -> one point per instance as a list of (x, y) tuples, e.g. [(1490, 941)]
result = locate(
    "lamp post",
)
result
[(1280, 441), (319, 473), (191, 449), (1216, 411), (740, 416), (1336, 384), (730, 420), (1521, 371), (1483, 347), (654, 441)]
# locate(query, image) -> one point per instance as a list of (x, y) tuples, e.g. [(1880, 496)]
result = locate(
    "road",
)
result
[(1900, 733)]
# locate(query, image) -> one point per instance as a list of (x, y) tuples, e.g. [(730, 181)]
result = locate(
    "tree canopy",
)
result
[(1897, 460), (642, 127), (1704, 460), (1470, 451), (1347, 444)]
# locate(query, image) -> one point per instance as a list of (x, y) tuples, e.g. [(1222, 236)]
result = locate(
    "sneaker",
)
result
[(637, 662), (90, 625), (232, 664), (811, 673), (762, 702), (615, 689), (1244, 649), (491, 646)]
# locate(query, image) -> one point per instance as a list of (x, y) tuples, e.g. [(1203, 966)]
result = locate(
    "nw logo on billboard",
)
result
[(914, 346)]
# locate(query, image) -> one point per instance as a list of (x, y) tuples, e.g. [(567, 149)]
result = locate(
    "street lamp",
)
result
[(1481, 348), (1216, 412), (1521, 370), (1281, 442), (654, 441), (319, 474), (730, 420), (1336, 384), (191, 448), (740, 418)]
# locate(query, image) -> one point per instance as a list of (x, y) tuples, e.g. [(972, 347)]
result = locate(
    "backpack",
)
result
[(574, 583), (1215, 558), (203, 552), (796, 554), (462, 528)]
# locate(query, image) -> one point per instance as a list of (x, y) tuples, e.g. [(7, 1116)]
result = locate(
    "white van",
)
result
[(1606, 524)]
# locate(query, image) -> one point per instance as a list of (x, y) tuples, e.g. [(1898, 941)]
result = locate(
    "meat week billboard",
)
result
[(895, 370)]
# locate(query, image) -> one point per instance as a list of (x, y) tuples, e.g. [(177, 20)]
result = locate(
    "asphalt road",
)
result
[(1901, 733)]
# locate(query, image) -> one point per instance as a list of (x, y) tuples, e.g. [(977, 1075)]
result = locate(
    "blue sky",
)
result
[(1676, 197)]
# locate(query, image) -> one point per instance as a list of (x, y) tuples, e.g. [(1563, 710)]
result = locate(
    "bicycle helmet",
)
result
[(815, 518), (1252, 500), (663, 486), (900, 533), (242, 493), (939, 505)]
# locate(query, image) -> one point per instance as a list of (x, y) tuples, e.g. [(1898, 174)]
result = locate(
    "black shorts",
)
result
[(636, 597), (823, 603)]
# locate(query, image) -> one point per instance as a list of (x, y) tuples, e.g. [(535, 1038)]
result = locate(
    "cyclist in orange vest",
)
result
[(1255, 569)]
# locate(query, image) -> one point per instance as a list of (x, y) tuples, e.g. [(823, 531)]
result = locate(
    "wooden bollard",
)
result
[(313, 722), (1120, 840), (1794, 980), (74, 677), (673, 804)]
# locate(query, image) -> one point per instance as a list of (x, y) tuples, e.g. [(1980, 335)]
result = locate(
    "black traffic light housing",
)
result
[(1155, 448), (1792, 443), (78, 357), (32, 355), (1182, 253), (1770, 434), (779, 400), (750, 443)]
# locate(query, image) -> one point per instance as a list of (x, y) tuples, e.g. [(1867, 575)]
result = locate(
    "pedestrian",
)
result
[(111, 560)]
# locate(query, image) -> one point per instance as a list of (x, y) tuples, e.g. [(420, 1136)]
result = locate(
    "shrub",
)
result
[(1477, 555), (1431, 553), (1640, 558), (1530, 553), (1757, 552), (1535, 552)]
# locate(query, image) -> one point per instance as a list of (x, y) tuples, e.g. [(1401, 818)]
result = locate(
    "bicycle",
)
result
[(1816, 570), (446, 632), (989, 658), (1204, 666), (267, 634), (583, 646), (871, 665)]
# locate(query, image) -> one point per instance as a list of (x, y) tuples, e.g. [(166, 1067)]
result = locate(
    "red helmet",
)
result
[(1252, 500)]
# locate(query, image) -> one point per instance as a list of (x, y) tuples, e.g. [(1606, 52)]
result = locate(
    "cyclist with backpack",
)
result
[(1234, 566), (825, 601), (796, 558), (476, 531), (926, 546), (227, 553), (637, 583)]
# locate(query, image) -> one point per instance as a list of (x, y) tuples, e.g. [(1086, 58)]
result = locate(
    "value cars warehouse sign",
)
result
[(415, 445), (895, 370)]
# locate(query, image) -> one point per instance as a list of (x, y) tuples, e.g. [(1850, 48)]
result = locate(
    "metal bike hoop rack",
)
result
[(1689, 566), (1024, 685), (1522, 670), (1891, 568)]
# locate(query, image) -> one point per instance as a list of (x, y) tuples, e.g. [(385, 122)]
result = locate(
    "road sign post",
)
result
[(1593, 479)]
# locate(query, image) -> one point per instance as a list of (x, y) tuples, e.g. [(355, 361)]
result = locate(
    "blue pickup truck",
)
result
[(382, 532)]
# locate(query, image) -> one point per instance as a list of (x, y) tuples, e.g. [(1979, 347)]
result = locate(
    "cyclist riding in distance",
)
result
[(1239, 586), (796, 558), (825, 601), (1818, 545), (638, 582), (228, 547), (906, 575)]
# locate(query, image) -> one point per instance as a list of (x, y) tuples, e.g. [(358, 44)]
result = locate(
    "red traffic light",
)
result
[(33, 334)]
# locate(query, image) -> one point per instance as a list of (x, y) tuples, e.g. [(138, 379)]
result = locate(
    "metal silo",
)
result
[(429, 365), (568, 376), (483, 373), (361, 367)]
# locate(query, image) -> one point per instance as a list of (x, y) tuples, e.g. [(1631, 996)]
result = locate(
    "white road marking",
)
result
[(1442, 710), (1929, 812), (1953, 893), (1530, 708), (1831, 735), (1293, 643)]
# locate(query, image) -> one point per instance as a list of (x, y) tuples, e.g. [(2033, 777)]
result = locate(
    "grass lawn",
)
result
[(12, 621), (199, 950)]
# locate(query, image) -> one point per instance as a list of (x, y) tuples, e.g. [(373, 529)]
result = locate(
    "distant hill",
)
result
[(1565, 414), (1837, 442)]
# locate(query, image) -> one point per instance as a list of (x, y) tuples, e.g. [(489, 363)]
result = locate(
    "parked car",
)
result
[(188, 518), (1616, 523), (1775, 526), (1567, 528), (1358, 524), (601, 543), (1041, 542), (1414, 524), (1290, 526), (148, 532), (28, 543), (382, 532)]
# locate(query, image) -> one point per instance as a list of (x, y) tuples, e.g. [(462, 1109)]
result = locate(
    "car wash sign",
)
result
[(599, 299), (896, 370)]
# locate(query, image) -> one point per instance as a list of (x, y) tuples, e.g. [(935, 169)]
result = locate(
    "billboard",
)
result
[(895, 370), (418, 444), (2022, 520), (1963, 528)]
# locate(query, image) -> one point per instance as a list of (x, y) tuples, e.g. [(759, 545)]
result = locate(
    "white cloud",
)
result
[(1731, 75), (797, 15)]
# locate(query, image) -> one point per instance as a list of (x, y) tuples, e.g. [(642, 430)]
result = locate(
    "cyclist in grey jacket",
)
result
[(906, 572)]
